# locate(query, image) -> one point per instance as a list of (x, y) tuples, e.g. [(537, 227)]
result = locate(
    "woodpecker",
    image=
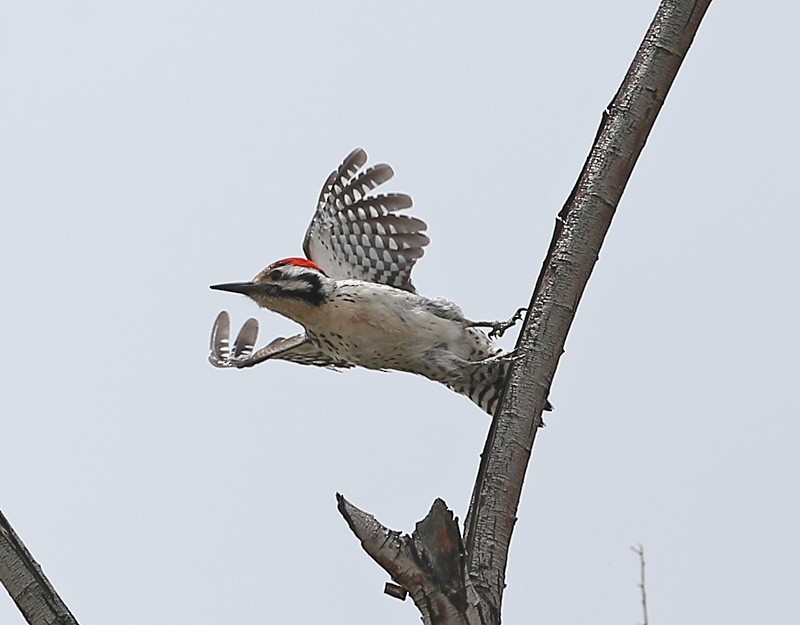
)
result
[(353, 295)]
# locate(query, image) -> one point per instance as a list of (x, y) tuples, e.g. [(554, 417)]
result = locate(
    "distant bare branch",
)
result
[(640, 552)]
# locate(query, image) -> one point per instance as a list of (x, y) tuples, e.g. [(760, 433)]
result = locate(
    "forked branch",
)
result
[(579, 232), (429, 563)]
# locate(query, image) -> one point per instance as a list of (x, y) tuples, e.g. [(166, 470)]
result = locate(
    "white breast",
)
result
[(379, 327)]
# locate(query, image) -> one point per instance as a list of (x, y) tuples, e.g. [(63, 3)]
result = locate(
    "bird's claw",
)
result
[(499, 327)]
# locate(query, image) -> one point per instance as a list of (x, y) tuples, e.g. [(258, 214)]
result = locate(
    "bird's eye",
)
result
[(275, 274)]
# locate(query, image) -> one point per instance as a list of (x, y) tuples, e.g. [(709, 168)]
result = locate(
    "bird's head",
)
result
[(289, 281)]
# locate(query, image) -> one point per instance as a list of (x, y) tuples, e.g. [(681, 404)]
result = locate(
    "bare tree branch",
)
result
[(580, 229), (579, 232), (26, 583)]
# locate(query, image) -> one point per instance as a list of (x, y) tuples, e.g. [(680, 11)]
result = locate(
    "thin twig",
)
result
[(639, 551)]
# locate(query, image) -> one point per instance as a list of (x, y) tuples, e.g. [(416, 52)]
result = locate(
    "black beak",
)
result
[(245, 288)]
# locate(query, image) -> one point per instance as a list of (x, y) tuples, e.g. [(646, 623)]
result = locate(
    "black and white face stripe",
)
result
[(302, 283)]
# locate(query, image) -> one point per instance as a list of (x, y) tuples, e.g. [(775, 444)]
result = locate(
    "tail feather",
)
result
[(484, 381)]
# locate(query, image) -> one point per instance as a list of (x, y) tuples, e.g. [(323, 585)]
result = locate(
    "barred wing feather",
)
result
[(357, 235)]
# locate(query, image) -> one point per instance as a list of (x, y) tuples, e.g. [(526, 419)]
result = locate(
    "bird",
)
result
[(352, 293)]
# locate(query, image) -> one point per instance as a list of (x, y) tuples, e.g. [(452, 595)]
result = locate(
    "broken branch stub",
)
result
[(429, 564)]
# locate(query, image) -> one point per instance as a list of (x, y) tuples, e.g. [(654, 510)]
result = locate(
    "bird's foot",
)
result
[(498, 328)]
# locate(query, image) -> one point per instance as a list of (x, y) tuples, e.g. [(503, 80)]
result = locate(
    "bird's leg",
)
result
[(498, 328)]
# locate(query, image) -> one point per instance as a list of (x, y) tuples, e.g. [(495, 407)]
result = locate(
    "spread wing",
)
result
[(294, 349), (357, 235)]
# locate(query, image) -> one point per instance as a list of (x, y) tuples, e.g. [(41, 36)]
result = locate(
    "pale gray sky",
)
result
[(150, 149)]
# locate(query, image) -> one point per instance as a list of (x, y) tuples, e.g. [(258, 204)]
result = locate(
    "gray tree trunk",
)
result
[(455, 581)]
